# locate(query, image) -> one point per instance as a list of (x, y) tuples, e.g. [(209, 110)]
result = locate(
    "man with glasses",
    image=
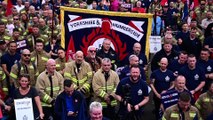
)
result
[(92, 59), (24, 66), (201, 10), (182, 110)]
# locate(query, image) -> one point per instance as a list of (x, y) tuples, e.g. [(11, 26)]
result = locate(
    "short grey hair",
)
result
[(105, 60), (95, 104), (132, 56), (91, 46)]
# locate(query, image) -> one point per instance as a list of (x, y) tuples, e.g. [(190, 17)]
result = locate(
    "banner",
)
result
[(155, 44), (82, 28), (24, 109)]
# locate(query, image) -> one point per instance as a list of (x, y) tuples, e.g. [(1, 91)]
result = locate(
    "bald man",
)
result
[(161, 80), (80, 72), (24, 66), (49, 84), (173, 93)]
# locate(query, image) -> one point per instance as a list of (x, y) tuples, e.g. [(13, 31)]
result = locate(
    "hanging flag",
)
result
[(9, 7), (82, 28)]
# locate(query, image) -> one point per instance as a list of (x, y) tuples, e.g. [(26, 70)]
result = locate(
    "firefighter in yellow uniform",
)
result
[(80, 73), (182, 110), (39, 56), (24, 66), (205, 103), (104, 85), (3, 82), (61, 61), (49, 84)]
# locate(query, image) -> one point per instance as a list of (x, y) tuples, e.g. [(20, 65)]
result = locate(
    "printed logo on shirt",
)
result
[(140, 61), (167, 78), (209, 68), (196, 77), (140, 92)]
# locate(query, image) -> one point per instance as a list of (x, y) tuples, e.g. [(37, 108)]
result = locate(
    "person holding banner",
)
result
[(26, 91)]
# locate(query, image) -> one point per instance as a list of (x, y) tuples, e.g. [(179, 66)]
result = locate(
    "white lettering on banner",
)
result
[(24, 109), (21, 44), (126, 29), (97, 22), (84, 23)]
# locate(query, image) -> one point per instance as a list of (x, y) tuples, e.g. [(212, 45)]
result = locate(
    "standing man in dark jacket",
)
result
[(70, 104), (106, 51)]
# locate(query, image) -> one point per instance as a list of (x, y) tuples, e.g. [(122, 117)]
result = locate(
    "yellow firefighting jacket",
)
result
[(3, 82), (173, 113), (82, 79), (24, 69), (205, 104), (40, 60), (103, 88), (43, 85)]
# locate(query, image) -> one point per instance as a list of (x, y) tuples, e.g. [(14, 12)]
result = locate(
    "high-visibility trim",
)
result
[(3, 76), (89, 73), (56, 88), (87, 87), (58, 65), (5, 89), (1, 72), (206, 100), (31, 67), (163, 118), (32, 59), (113, 61), (13, 75), (44, 58), (37, 73), (113, 103), (45, 98), (174, 115), (45, 104), (192, 115), (104, 104), (67, 75), (197, 105), (102, 94)]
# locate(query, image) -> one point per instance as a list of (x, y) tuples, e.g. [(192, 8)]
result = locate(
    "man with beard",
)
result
[(24, 66), (39, 56), (9, 59), (80, 73), (132, 92), (133, 60), (92, 59)]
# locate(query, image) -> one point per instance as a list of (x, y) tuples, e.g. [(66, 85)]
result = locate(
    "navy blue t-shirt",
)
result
[(193, 77), (162, 80), (10, 60), (137, 90), (175, 66)]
